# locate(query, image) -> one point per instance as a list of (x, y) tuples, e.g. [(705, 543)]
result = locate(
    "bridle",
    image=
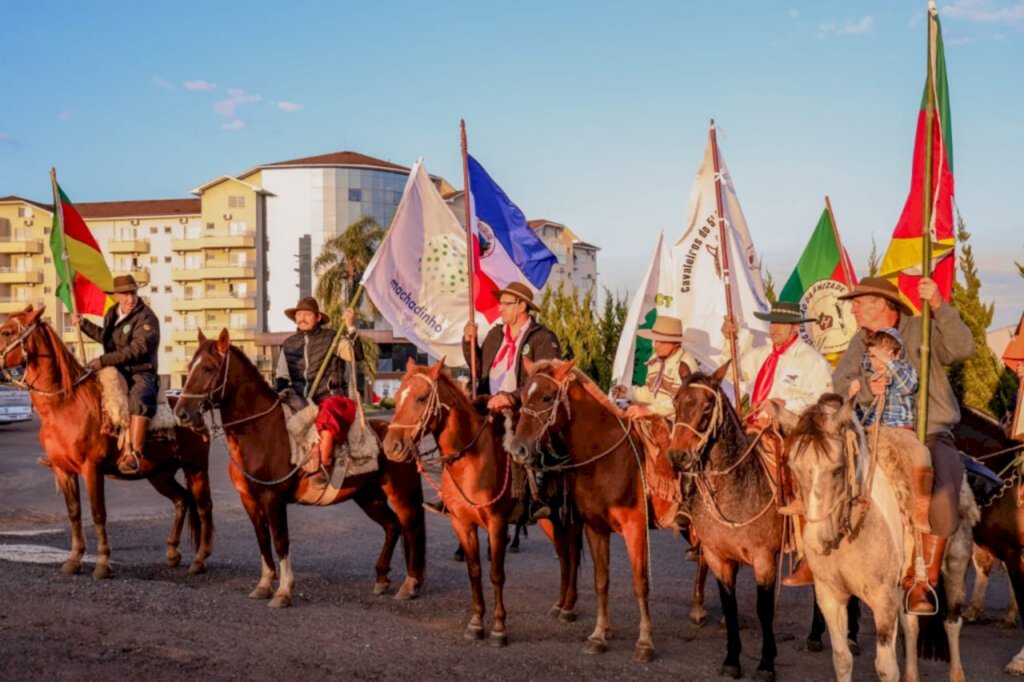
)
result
[(548, 415), (20, 341), (24, 383), (713, 424), (209, 400)]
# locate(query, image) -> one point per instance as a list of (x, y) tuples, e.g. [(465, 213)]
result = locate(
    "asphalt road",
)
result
[(154, 622)]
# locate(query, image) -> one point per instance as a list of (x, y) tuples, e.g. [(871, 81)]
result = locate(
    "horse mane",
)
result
[(585, 382), (811, 427), (68, 366)]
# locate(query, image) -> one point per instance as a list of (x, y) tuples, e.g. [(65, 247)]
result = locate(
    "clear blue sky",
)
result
[(589, 113)]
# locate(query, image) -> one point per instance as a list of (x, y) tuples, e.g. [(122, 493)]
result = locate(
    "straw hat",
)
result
[(668, 329), (124, 284), (881, 287), (783, 312), (520, 291), (309, 304)]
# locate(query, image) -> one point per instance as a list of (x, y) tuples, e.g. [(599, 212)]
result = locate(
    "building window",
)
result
[(167, 290), (46, 230), (154, 230), (168, 349), (153, 260), (24, 212), (167, 259), (167, 229), (236, 202), (210, 226), (47, 290), (47, 260), (167, 319), (355, 194)]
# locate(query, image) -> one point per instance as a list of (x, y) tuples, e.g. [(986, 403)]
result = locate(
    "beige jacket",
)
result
[(662, 383)]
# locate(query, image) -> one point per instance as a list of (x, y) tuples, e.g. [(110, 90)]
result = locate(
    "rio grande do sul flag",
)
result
[(823, 258), (85, 269), (902, 260), (417, 279)]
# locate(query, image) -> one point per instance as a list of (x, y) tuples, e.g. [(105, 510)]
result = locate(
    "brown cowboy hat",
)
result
[(668, 329), (308, 303), (881, 287), (520, 291), (124, 284)]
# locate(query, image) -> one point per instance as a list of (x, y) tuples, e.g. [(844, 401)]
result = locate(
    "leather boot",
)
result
[(801, 575), (923, 477), (131, 460), (919, 599)]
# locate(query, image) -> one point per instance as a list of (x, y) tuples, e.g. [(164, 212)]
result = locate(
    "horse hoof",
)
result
[(513, 549), (473, 633), (813, 646), (280, 601), (555, 612), (173, 559), (595, 646), (381, 587), (197, 568), (732, 671), (644, 653), (567, 616), (764, 675), (71, 567), (498, 639), (101, 572), (261, 593), (1014, 667), (407, 592), (854, 647), (698, 616)]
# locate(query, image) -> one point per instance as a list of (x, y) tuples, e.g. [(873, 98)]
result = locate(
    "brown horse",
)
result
[(475, 485), (253, 421), (67, 398), (733, 507), (604, 478)]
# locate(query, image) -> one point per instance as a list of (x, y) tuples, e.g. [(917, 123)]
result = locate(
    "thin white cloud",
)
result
[(849, 27), (64, 116), (794, 13), (290, 107), (200, 85), (237, 124), (985, 11), (959, 40), (162, 84), (236, 98)]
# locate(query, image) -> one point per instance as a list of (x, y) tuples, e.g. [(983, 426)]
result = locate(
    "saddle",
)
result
[(664, 492), (116, 414)]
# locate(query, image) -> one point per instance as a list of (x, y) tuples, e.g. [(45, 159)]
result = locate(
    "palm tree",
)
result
[(339, 268)]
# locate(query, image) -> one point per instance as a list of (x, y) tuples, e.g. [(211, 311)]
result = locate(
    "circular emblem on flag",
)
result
[(443, 265), (486, 237), (834, 324)]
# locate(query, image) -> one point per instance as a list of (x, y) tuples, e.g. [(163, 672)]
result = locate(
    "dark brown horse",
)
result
[(67, 398), (253, 421), (475, 485), (604, 478), (732, 504)]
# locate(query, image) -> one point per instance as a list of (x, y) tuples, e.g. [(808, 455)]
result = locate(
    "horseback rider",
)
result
[(500, 358), (130, 337), (789, 373), (302, 355), (877, 305), (663, 375)]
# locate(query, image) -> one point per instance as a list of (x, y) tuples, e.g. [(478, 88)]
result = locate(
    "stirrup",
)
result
[(935, 599), (123, 463), (320, 478)]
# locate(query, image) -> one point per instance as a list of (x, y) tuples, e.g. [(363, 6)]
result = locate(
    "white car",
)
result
[(15, 405)]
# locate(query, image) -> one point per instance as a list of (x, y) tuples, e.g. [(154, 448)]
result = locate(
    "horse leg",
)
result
[(97, 500), (698, 614), (164, 483), (557, 535), (911, 630), (277, 515), (68, 483), (377, 509), (813, 642), (727, 595), (200, 517), (832, 610), (853, 624), (885, 605), (470, 544), (983, 563), (1008, 621), (574, 544), (264, 587), (766, 615), (498, 533), (1015, 568), (636, 545), (598, 540), (407, 504)]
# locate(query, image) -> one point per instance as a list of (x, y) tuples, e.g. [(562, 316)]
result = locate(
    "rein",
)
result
[(24, 384)]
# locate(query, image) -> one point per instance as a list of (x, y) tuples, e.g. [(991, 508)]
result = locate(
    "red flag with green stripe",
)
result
[(902, 260), (85, 270), (823, 258)]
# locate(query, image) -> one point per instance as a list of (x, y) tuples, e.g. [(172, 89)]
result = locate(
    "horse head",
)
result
[(823, 446), (14, 333), (418, 410), (544, 393), (699, 405), (206, 383)]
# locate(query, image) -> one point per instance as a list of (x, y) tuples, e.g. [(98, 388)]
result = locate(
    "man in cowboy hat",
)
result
[(876, 305), (301, 356), (788, 373), (663, 371), (130, 336), (500, 358)]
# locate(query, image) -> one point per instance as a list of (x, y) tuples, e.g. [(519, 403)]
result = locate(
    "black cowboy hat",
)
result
[(783, 312), (309, 304)]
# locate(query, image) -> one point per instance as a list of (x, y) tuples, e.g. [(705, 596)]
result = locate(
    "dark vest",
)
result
[(304, 354)]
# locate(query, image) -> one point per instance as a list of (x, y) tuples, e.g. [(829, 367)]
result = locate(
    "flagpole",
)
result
[(926, 230), (58, 206), (469, 256), (723, 250), (342, 328), (839, 243)]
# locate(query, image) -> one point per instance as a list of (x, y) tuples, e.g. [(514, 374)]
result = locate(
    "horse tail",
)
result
[(932, 642), (192, 511)]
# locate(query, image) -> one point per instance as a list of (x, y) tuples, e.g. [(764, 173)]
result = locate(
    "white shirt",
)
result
[(502, 373), (802, 374)]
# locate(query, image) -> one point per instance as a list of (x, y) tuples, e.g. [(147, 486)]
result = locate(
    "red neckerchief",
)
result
[(508, 348), (766, 375)]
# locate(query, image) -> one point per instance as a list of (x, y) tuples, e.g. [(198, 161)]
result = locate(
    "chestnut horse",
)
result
[(67, 398), (254, 423), (734, 508), (604, 477), (475, 486)]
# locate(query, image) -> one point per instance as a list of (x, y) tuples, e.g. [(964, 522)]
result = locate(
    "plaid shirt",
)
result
[(900, 394)]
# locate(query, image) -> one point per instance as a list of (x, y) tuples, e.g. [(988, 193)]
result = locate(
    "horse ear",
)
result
[(202, 336), (719, 373), (410, 365), (28, 308), (561, 371), (435, 370), (787, 420), (223, 341), (528, 364), (846, 412), (684, 369), (34, 313)]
